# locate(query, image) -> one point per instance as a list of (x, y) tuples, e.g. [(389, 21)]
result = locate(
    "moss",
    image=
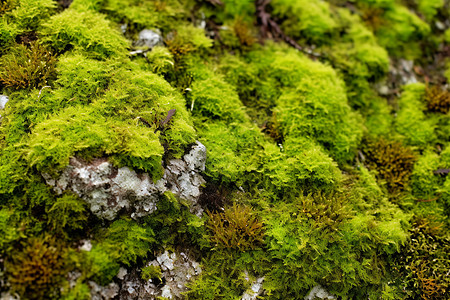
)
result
[(437, 99), (83, 30), (35, 271), (411, 121), (308, 20), (402, 32), (151, 272), (27, 67), (68, 137), (29, 13), (392, 160), (425, 261), (314, 104), (9, 229), (379, 119), (429, 8), (235, 228), (80, 79), (8, 33), (145, 14)]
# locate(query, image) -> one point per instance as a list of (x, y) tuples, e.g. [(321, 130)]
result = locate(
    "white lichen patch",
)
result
[(318, 292), (177, 270), (109, 190)]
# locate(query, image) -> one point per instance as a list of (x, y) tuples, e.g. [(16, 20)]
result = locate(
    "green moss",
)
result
[(151, 272), (305, 20), (8, 229), (80, 79), (429, 8), (145, 14), (314, 104), (379, 118), (8, 32), (83, 30), (82, 130), (29, 13), (401, 32), (411, 122)]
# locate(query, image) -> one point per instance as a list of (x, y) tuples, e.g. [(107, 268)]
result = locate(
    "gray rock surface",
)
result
[(318, 292), (103, 292), (256, 289), (177, 270), (109, 190), (3, 100), (149, 38)]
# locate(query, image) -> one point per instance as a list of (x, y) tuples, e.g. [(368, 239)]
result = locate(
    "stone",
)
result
[(177, 270), (149, 38), (103, 292), (318, 292), (109, 190), (3, 100)]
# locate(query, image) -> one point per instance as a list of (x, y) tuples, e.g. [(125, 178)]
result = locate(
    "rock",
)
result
[(148, 38), (177, 270), (3, 100), (318, 292), (103, 292), (255, 290), (86, 245), (8, 296), (109, 190)]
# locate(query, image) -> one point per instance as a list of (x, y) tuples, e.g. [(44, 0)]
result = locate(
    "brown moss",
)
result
[(437, 99), (36, 270), (236, 227), (27, 67), (243, 33), (327, 211), (7, 5), (393, 161), (372, 16)]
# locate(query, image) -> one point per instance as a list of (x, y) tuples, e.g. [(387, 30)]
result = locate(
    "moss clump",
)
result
[(393, 161), (151, 272), (81, 79), (411, 121), (36, 270), (425, 262), (235, 228), (28, 14), (305, 20), (27, 67), (437, 99), (83, 30)]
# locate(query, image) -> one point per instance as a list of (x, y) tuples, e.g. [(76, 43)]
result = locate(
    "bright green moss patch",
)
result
[(83, 30), (30, 13), (308, 20), (83, 131), (294, 196), (411, 121)]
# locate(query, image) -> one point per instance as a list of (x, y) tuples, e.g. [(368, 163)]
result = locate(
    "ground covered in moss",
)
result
[(327, 134)]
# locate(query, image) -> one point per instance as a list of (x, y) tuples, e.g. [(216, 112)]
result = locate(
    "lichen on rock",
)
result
[(108, 189)]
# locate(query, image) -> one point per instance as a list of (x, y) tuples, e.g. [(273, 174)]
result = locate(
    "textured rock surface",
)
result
[(177, 269), (255, 290), (103, 292), (108, 190), (318, 292), (149, 38)]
